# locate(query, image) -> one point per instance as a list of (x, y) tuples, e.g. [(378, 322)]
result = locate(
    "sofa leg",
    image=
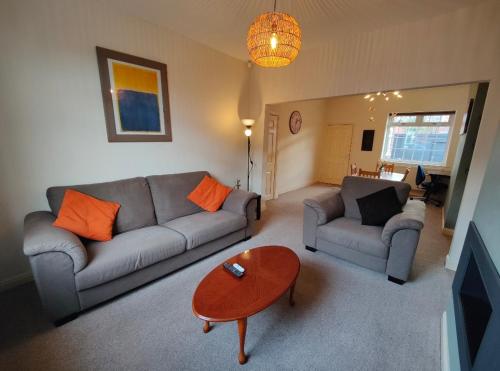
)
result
[(395, 280), (247, 238), (311, 248), (65, 320)]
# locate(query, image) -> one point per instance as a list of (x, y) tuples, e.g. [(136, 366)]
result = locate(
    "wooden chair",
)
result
[(369, 174), (354, 169), (407, 171), (388, 168)]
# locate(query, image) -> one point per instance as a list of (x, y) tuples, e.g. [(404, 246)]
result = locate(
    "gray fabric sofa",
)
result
[(157, 231), (332, 224)]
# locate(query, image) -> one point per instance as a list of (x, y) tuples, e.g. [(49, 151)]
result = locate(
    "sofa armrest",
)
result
[(41, 237), (412, 217), (238, 200), (327, 206)]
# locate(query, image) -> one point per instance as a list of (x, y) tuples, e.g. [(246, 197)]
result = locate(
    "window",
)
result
[(420, 138)]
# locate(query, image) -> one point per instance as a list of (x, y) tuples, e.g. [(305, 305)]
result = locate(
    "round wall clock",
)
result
[(295, 122)]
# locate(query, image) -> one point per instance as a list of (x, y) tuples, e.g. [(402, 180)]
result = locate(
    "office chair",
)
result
[(429, 188)]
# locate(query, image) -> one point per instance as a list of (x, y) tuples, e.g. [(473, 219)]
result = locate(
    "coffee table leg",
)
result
[(206, 327), (242, 330), (291, 301)]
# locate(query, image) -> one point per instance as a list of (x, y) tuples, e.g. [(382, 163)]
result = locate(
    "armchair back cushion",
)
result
[(136, 210), (170, 194), (354, 187)]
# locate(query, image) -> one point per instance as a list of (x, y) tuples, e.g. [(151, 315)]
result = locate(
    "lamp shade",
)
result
[(248, 122), (274, 39)]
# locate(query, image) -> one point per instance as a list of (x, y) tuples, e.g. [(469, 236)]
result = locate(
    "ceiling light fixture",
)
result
[(274, 39), (382, 94)]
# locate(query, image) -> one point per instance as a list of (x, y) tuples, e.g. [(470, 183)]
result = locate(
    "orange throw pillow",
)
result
[(87, 216), (209, 194)]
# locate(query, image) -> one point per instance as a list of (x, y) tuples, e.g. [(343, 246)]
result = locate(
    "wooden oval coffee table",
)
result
[(221, 297)]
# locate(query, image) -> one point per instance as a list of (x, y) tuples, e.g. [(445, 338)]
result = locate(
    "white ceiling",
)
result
[(223, 24)]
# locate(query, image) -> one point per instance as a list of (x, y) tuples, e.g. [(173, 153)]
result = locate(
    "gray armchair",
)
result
[(332, 224)]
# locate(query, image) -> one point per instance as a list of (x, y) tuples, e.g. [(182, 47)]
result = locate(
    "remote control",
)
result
[(239, 267), (233, 270)]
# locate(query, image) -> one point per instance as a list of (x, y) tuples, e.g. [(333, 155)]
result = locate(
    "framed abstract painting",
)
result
[(135, 97)]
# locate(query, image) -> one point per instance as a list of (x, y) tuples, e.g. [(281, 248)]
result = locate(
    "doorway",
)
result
[(336, 153), (270, 157)]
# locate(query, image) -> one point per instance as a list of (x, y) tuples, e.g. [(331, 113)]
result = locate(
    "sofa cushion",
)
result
[(136, 210), (209, 194), (87, 216), (170, 194), (378, 207), (354, 187), (350, 233), (206, 226), (128, 252)]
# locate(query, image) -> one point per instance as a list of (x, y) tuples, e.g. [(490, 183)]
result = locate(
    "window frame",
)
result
[(419, 122)]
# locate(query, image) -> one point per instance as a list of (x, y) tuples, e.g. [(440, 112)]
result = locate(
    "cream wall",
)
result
[(354, 110), (52, 120), (459, 47), (298, 155)]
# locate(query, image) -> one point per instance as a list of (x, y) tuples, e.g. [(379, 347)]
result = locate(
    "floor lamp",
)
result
[(248, 133)]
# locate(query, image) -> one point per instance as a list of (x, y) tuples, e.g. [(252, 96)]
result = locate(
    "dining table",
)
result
[(397, 177)]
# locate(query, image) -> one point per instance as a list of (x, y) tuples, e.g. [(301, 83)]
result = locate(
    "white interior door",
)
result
[(336, 153), (270, 161)]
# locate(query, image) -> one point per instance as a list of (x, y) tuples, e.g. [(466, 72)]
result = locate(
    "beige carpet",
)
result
[(345, 317)]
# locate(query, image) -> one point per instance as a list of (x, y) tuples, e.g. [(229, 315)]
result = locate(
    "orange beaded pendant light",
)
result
[(274, 39)]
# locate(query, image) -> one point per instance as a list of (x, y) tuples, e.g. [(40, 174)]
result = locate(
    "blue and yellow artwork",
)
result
[(137, 98)]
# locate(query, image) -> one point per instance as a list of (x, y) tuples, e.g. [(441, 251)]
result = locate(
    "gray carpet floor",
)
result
[(345, 318)]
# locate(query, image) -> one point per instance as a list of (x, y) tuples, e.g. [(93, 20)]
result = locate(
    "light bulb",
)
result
[(367, 96), (395, 92), (274, 41), (248, 132), (386, 98), (378, 93), (372, 99)]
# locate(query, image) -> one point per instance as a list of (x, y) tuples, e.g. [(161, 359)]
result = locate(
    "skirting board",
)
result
[(445, 357), (448, 264), (14, 281), (444, 230), (294, 188)]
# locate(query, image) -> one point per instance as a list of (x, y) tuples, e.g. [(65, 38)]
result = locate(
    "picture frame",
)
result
[(367, 140), (135, 97)]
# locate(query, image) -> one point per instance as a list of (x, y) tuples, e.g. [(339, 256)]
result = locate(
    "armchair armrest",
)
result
[(41, 237), (327, 206), (238, 200), (412, 217), (320, 210)]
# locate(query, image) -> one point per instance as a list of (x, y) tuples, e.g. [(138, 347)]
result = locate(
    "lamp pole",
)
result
[(248, 133), (248, 164)]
